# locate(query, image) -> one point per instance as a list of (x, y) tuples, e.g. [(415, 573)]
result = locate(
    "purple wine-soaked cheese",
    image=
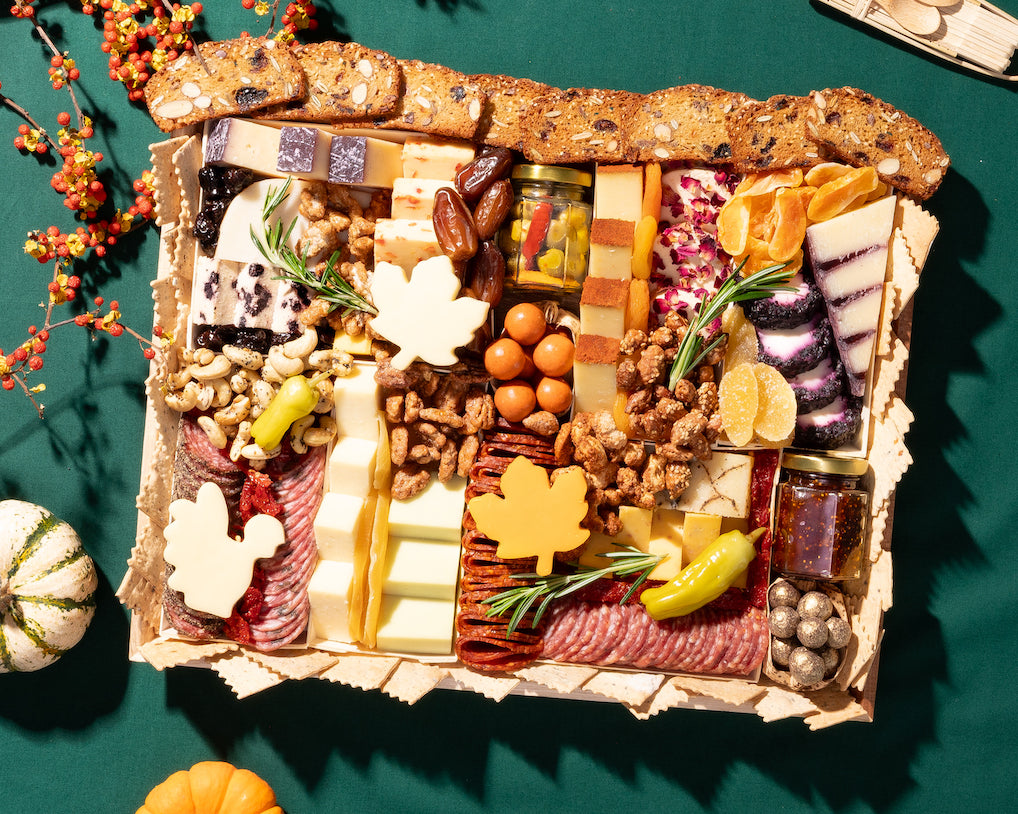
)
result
[(786, 309), (795, 350), (818, 386), (831, 426)]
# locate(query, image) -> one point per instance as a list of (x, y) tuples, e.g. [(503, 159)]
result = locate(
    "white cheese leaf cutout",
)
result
[(423, 316), (212, 570)]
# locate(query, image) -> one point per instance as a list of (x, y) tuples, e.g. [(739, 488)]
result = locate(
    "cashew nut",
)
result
[(184, 400), (223, 392), (270, 374), (204, 356), (326, 397), (218, 368), (240, 440), (205, 396), (253, 452), (235, 412), (213, 431), (297, 431), (321, 435), (177, 379), (261, 394), (302, 345), (338, 361), (242, 380), (245, 357), (283, 364)]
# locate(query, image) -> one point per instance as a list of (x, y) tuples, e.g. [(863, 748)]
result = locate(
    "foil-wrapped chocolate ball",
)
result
[(831, 659), (812, 632), (783, 621), (806, 666), (839, 632), (781, 650), (816, 604), (783, 594)]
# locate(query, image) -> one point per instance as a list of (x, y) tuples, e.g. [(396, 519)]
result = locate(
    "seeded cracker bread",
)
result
[(346, 81), (684, 123), (864, 131), (771, 135), (508, 101), (577, 125), (436, 100), (243, 75)]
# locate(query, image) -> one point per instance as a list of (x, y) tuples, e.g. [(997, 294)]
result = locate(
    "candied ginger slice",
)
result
[(776, 408), (738, 399)]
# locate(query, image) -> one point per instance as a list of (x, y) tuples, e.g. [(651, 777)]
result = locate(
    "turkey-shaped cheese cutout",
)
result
[(424, 317), (534, 519), (212, 569)]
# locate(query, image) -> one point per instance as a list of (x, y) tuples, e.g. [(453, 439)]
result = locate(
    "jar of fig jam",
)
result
[(822, 516), (547, 234)]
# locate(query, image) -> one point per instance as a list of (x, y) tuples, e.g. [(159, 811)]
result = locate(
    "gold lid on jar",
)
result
[(825, 465), (551, 173)]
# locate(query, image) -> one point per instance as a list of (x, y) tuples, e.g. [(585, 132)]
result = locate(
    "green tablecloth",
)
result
[(95, 732)]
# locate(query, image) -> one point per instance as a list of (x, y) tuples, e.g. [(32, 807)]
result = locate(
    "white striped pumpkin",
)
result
[(47, 587)]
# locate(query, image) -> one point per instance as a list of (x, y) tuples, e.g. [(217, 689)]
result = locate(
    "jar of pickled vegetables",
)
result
[(546, 237), (822, 515)]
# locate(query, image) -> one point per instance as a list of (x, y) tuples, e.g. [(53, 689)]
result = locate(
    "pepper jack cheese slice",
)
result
[(405, 243), (849, 258), (414, 198), (427, 157)]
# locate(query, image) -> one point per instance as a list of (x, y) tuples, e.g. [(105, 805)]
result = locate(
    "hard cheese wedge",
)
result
[(849, 258)]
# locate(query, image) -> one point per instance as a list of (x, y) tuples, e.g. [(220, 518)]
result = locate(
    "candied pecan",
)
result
[(676, 322), (380, 205), (479, 411), (580, 426), (700, 447), (341, 197), (412, 405), (541, 422), (603, 477), (473, 374), (448, 461), (634, 453), (625, 375), (353, 324), (340, 221), (639, 401), (628, 480), (361, 250), (590, 453), (563, 447), (654, 473), (714, 426), (612, 524), (716, 355), (424, 454), (312, 201), (663, 337), (633, 341), (467, 455), (676, 478), (399, 444), (446, 417), (408, 481), (607, 432), (451, 393), (319, 238), (685, 391), (705, 373), (671, 452), (644, 499), (430, 434), (394, 408), (651, 368), (613, 496), (357, 275), (707, 398), (691, 424), (315, 312), (670, 410), (651, 426), (360, 227)]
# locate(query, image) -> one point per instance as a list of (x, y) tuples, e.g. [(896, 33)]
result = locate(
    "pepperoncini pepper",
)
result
[(295, 399), (705, 578)]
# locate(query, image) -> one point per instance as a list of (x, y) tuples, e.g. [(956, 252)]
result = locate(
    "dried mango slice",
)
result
[(775, 416), (761, 183), (837, 196), (828, 171), (738, 400), (733, 225), (789, 226)]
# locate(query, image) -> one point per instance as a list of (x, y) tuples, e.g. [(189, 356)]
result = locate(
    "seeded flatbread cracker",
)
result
[(436, 100), (771, 135), (864, 131), (578, 125), (345, 82), (505, 108), (243, 75)]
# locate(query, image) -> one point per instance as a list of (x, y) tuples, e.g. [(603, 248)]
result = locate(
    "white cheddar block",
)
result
[(636, 530), (428, 157), (328, 592), (601, 320), (338, 524), (405, 243), (356, 397), (613, 262), (719, 486), (434, 513), (414, 198), (352, 466), (245, 213), (593, 387), (428, 569), (618, 192), (411, 625)]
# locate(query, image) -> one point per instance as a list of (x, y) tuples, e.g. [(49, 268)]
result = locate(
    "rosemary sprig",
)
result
[(273, 244), (628, 560), (736, 288)]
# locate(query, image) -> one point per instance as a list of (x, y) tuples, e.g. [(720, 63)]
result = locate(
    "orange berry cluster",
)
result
[(297, 16)]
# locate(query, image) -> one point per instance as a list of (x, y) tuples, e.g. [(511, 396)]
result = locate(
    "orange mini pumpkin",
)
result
[(212, 787)]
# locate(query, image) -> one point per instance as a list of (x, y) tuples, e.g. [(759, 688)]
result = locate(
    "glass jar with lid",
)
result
[(546, 238), (822, 517)]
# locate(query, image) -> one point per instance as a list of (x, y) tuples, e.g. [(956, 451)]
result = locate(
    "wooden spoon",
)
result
[(940, 3), (919, 18)]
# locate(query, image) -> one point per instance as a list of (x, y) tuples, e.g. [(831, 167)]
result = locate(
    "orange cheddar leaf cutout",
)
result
[(534, 519)]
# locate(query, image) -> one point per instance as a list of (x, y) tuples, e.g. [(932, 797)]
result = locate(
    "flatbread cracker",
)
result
[(295, 664), (411, 681), (494, 687), (919, 228), (363, 672), (244, 675), (166, 192), (563, 678), (632, 689)]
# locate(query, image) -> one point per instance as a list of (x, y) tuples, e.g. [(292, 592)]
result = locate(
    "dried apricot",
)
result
[(761, 183), (643, 247), (652, 190), (775, 416), (638, 306), (738, 400)]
